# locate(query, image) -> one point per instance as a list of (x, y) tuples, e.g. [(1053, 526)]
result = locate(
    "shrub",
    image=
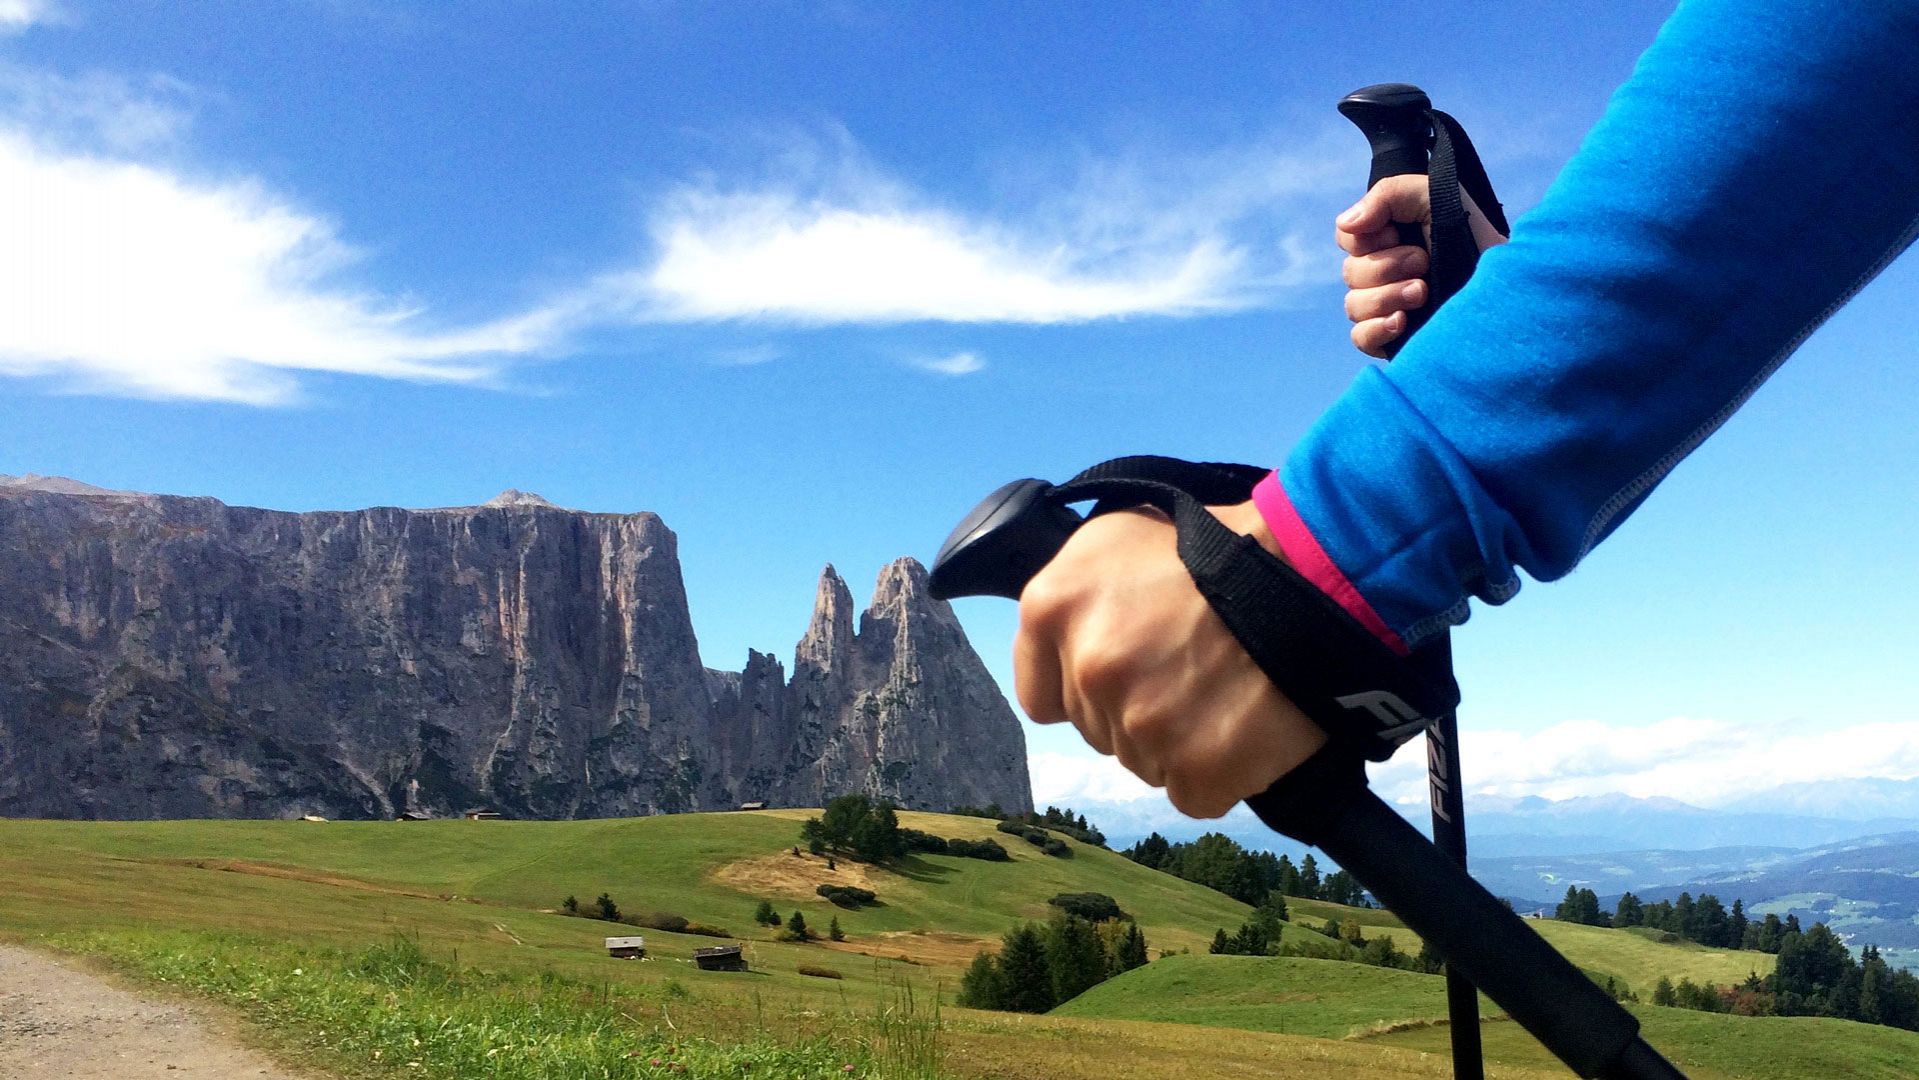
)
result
[(796, 929), (977, 849), (1091, 906), (1015, 828), (765, 915), (676, 924), (819, 972), (847, 896), (916, 840), (1056, 848)]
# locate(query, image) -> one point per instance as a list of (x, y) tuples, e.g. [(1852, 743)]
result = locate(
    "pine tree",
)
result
[(765, 915), (1074, 958), (1132, 951), (982, 987), (1024, 972), (1288, 877), (1221, 945), (570, 905), (1663, 993), (1309, 877), (796, 928), (1737, 924), (1251, 940), (1568, 909), (1270, 913), (833, 930), (605, 908), (1629, 912)]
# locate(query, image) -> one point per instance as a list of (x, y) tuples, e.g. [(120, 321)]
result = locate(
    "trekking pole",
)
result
[(1399, 126), (1368, 700)]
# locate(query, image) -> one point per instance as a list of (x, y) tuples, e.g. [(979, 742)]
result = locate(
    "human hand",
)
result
[(1115, 638), (1382, 275)]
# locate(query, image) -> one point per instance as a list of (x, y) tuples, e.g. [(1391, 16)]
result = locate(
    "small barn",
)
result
[(752, 806), (626, 948), (720, 958), (482, 815)]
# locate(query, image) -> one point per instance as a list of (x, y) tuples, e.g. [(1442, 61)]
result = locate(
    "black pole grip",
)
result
[(1393, 117), (1008, 537), (1325, 802)]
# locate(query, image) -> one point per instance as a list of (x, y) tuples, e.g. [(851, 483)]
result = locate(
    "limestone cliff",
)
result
[(177, 657)]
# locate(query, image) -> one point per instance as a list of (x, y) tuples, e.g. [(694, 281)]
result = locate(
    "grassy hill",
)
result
[(712, 868), (1377, 1006), (1634, 960), (479, 896), (1330, 999)]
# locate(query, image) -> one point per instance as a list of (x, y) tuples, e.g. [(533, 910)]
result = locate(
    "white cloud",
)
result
[(826, 237), (1703, 762), (97, 110), (959, 363), (127, 278), (17, 15), (772, 256)]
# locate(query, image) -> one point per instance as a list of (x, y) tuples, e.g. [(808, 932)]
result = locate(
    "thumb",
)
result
[(1400, 198)]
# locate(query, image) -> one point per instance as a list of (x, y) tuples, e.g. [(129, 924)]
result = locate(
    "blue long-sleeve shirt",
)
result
[(1759, 166)]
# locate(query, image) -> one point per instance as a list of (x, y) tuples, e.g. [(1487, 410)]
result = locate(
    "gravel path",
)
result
[(60, 1022)]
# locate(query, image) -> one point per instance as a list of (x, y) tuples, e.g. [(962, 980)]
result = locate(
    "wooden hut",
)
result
[(626, 948), (720, 958)]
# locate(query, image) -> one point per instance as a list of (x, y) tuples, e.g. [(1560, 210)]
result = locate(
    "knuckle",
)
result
[(1102, 671)]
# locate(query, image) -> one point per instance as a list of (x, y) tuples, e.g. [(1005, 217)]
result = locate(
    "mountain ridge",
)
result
[(168, 656)]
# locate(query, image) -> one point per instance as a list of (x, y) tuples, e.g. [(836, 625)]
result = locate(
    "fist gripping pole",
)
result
[(1368, 699)]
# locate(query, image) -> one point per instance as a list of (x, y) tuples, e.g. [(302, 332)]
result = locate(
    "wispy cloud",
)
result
[(16, 15), (827, 237), (124, 275), (959, 363), (126, 278), (97, 111), (137, 275), (1704, 762)]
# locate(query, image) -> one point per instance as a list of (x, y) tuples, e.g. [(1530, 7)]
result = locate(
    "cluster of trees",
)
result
[(605, 907), (1038, 967), (1704, 920), (794, 928), (1816, 975), (953, 845), (856, 826), (1058, 819), (1038, 837), (847, 896), (1261, 936), (1218, 862), (868, 830)]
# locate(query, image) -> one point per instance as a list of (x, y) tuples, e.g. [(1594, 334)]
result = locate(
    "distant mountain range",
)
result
[(168, 657)]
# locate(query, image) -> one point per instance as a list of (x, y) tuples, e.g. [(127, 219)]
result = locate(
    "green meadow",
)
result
[(452, 926)]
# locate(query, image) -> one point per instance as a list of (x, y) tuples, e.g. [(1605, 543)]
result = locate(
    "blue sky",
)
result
[(808, 279)]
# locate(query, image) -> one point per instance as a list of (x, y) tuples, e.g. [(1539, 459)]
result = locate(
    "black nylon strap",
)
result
[(1357, 689)]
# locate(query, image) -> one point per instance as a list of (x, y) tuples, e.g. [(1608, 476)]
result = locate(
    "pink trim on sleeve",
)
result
[(1311, 560)]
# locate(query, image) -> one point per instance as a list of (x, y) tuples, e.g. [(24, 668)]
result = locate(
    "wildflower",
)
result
[(299, 971), (655, 1061), (847, 1067)]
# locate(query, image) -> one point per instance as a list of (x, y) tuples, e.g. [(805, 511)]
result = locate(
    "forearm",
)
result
[(1761, 164)]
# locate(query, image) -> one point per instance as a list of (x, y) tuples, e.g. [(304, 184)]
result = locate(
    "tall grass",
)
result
[(905, 1034), (393, 1006)]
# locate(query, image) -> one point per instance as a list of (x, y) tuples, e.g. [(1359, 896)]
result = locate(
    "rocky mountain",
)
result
[(164, 656)]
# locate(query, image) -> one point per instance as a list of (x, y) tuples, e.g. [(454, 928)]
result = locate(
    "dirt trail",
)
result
[(60, 1022)]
